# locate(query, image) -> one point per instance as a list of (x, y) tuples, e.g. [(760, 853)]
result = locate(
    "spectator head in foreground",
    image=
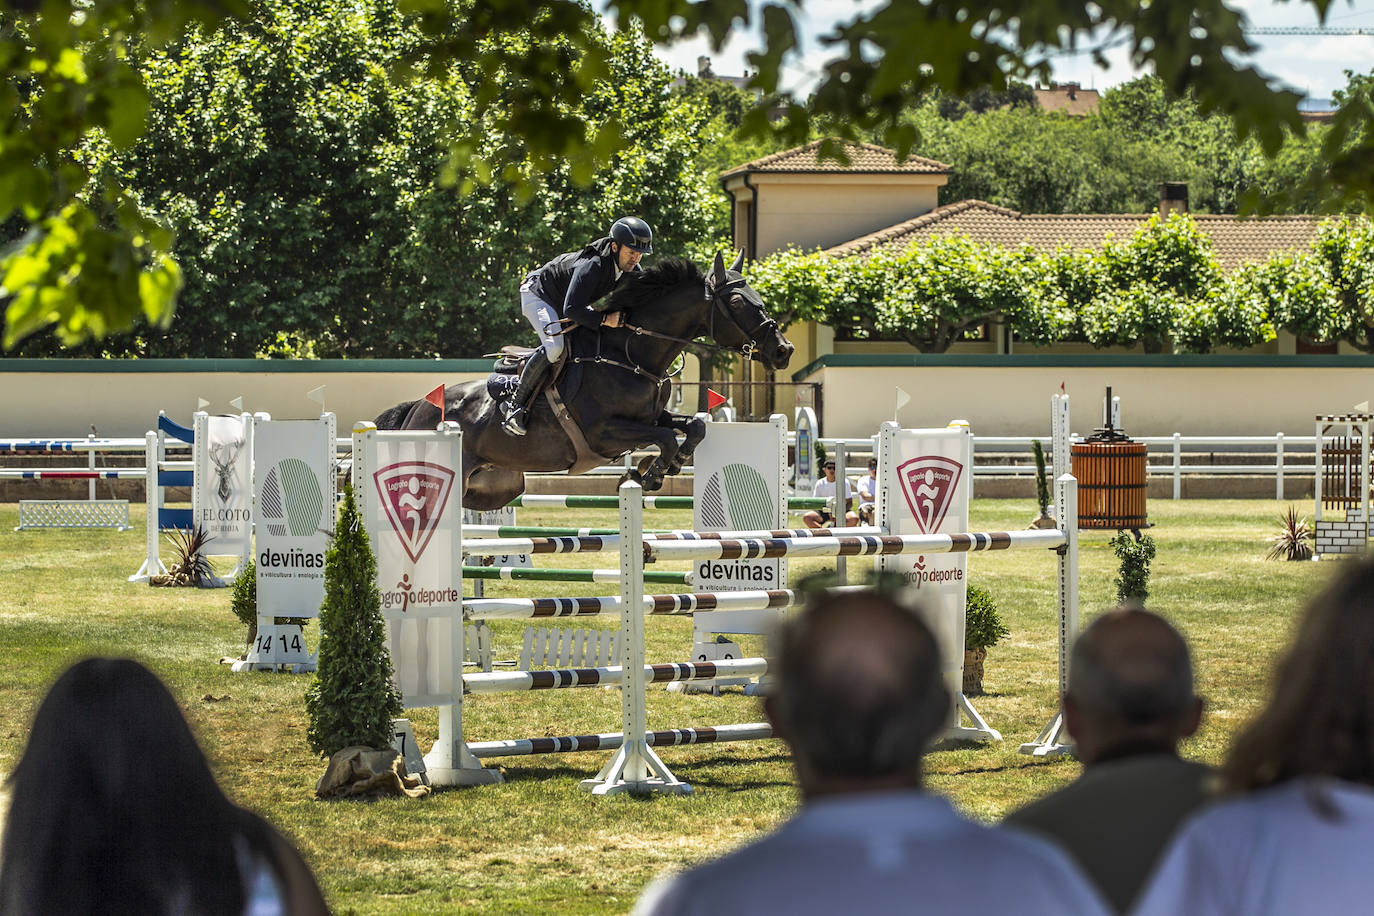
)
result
[(1320, 719), (856, 692), (114, 810), (857, 695), (1129, 703), (1294, 836), (1130, 687)]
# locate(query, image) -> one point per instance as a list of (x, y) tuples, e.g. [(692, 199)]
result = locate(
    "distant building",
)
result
[(705, 72), (1070, 98), (1317, 111)]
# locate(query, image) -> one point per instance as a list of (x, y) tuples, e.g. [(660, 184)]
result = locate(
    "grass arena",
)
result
[(536, 841)]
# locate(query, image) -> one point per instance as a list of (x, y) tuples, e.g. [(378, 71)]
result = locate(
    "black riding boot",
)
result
[(532, 379)]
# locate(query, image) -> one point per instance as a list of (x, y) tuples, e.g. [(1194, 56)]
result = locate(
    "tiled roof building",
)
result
[(864, 158), (1236, 240)]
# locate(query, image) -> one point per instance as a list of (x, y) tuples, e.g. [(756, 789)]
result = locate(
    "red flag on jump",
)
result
[(714, 399), (436, 397)]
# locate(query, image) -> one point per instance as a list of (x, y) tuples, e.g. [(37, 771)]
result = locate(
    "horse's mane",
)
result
[(644, 287)]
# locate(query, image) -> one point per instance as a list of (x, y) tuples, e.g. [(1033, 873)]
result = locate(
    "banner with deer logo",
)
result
[(222, 498)]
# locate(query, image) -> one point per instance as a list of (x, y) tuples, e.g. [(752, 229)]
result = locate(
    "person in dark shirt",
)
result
[(566, 287), (1129, 703)]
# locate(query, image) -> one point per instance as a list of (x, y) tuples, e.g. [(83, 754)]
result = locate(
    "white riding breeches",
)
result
[(544, 317)]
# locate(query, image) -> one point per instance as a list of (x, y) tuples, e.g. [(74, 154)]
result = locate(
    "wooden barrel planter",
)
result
[(1111, 482)]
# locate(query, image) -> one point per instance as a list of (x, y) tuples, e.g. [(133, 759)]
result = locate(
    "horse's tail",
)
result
[(394, 417)]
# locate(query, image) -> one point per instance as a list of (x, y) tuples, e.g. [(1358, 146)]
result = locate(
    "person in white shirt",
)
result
[(1295, 834), (868, 493), (827, 488), (858, 697)]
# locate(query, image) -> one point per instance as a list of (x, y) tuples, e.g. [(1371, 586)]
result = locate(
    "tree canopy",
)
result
[(91, 258)]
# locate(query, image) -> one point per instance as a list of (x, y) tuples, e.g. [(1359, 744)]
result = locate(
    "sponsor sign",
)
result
[(738, 486), (929, 494), (221, 501), (293, 485), (408, 490)]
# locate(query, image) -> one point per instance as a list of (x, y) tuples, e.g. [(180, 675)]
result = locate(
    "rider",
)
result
[(574, 280)]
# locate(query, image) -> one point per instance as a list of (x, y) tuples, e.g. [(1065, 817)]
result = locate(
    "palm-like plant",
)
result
[(191, 566), (1294, 540)]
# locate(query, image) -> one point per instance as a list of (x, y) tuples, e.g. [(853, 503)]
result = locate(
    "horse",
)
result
[(615, 383)]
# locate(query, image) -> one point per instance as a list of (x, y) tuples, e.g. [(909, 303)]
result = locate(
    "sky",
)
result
[(1313, 65)]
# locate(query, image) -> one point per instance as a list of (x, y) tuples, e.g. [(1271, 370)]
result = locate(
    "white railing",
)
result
[(1255, 456), (1276, 455)]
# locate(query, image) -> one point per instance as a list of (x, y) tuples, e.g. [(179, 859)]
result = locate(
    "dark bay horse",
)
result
[(615, 383)]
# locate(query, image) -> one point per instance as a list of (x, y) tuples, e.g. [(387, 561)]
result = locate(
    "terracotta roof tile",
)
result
[(863, 158), (1235, 240)]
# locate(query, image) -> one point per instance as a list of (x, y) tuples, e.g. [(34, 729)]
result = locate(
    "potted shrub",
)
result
[(983, 627), (1135, 553), (1294, 540), (1043, 519)]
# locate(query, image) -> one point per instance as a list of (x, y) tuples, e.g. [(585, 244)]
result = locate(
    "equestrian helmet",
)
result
[(634, 234)]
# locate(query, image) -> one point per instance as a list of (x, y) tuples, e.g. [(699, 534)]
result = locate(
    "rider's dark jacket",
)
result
[(572, 282)]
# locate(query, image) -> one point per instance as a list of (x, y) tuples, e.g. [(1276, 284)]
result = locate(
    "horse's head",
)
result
[(746, 325)]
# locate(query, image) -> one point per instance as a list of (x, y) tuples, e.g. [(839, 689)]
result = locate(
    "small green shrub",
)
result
[(1042, 483), (243, 596), (1133, 582), (353, 699), (983, 626)]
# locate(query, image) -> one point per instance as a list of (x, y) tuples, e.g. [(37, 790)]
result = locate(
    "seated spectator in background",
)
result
[(1294, 832), (113, 810), (1129, 702), (858, 696), (827, 488), (868, 493)]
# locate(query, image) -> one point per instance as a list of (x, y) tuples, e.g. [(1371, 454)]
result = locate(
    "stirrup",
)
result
[(514, 423)]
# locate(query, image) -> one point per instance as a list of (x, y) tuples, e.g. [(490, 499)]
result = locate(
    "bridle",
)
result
[(747, 350)]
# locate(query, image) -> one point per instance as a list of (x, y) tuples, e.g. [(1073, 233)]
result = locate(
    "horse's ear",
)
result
[(718, 270), (739, 262)]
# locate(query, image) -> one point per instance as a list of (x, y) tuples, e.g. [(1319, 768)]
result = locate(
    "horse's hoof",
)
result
[(629, 476), (653, 483)]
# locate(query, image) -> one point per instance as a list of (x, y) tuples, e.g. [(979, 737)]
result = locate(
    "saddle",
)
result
[(505, 378)]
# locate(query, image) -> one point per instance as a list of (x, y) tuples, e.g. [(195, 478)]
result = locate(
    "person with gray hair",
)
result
[(1129, 703), (858, 696)]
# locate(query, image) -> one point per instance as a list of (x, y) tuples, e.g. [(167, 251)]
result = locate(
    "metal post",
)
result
[(1278, 467), (1178, 464)]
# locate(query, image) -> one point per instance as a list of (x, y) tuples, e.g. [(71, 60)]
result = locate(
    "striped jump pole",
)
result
[(611, 676), (74, 474), (493, 547), (715, 734), (678, 534), (657, 605), (557, 501), (520, 573), (874, 545)]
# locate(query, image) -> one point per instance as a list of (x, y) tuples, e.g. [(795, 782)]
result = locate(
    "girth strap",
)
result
[(586, 459)]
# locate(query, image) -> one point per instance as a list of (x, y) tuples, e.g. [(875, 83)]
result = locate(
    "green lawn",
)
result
[(538, 841)]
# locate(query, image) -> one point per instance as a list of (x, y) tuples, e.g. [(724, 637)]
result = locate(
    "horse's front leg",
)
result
[(624, 435), (693, 430)]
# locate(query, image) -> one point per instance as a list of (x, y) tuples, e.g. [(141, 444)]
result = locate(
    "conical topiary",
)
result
[(353, 700)]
